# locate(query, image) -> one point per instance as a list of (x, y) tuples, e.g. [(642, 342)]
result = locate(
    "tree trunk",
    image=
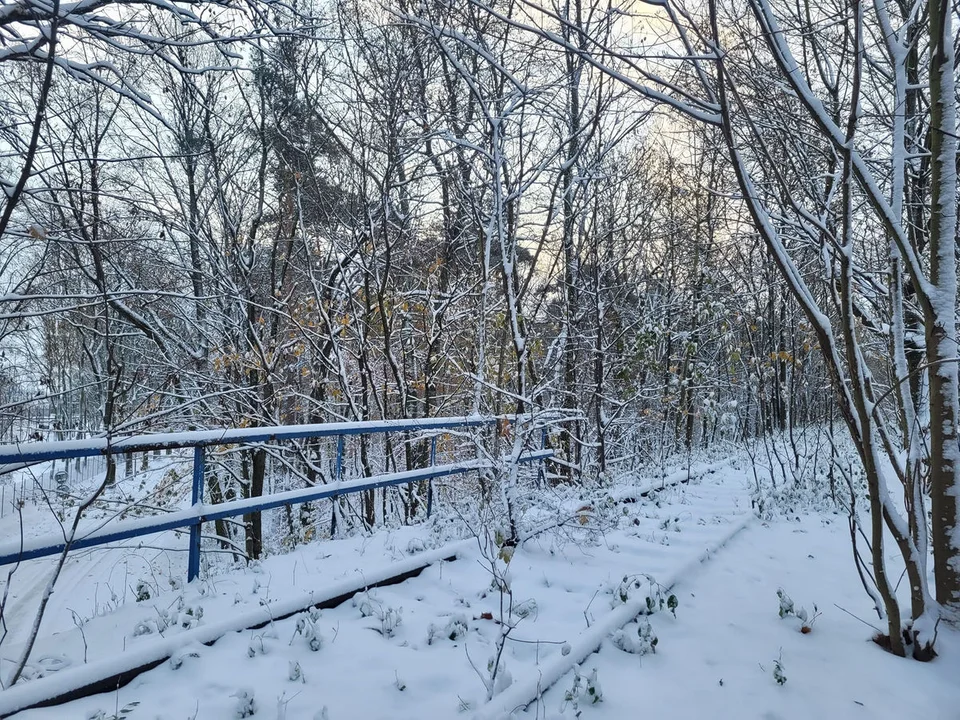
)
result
[(940, 325)]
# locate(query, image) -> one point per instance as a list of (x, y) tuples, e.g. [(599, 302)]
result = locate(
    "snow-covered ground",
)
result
[(427, 648)]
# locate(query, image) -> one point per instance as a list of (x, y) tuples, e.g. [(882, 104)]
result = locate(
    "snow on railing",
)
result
[(99, 532)]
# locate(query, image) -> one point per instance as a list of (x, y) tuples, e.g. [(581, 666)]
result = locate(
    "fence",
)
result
[(198, 512)]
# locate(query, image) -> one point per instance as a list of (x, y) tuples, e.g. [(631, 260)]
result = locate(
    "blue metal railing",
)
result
[(19, 455)]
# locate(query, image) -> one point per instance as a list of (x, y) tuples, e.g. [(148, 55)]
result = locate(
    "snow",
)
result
[(35, 451), (424, 648), (718, 655)]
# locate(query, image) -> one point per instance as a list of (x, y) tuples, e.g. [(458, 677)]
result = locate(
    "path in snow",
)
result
[(432, 662), (716, 659)]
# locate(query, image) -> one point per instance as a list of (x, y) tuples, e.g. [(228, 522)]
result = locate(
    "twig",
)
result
[(860, 619)]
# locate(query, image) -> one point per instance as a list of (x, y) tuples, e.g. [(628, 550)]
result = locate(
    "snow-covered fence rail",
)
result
[(100, 533)]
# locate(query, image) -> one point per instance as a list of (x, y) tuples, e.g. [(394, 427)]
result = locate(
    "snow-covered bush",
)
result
[(455, 629), (308, 627), (525, 609), (789, 610), (256, 646), (246, 706), (416, 545), (636, 638), (778, 672), (295, 672), (365, 603), (177, 659), (190, 616), (390, 620), (657, 597), (585, 690)]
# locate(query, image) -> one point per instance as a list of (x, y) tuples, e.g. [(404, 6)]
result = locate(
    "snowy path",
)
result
[(716, 659), (432, 662), (421, 649)]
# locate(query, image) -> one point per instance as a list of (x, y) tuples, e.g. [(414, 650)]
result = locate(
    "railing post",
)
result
[(542, 470), (339, 458), (433, 461), (193, 562), (338, 476)]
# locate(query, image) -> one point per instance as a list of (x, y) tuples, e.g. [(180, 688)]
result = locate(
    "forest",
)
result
[(644, 231)]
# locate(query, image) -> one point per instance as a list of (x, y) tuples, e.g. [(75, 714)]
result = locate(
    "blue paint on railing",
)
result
[(198, 513)]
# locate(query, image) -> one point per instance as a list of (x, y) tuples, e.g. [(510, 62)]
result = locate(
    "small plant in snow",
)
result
[(143, 591), (308, 626), (455, 629), (623, 591), (176, 661), (786, 604), (399, 683), (390, 620), (789, 609), (500, 677), (671, 523), (365, 604), (636, 638), (416, 545), (525, 609), (657, 598), (121, 714), (246, 706), (295, 672), (282, 703), (584, 690), (778, 674), (190, 616), (256, 646), (144, 627)]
